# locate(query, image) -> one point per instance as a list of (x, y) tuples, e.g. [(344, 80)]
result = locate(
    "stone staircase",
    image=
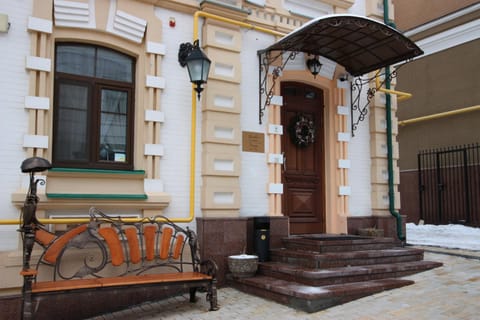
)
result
[(316, 272)]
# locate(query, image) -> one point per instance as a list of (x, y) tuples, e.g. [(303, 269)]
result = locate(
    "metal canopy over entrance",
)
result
[(359, 44)]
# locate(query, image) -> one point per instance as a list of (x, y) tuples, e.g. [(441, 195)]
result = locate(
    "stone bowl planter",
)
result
[(243, 265), (371, 232)]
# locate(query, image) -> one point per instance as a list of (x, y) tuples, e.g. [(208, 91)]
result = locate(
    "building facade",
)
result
[(95, 87)]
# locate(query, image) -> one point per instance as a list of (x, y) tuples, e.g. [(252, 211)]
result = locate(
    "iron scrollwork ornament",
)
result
[(266, 61), (358, 112), (302, 131)]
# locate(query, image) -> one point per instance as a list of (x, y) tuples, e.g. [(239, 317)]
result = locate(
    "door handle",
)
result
[(284, 165)]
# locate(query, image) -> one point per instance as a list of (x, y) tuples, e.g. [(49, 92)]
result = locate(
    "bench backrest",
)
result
[(109, 246)]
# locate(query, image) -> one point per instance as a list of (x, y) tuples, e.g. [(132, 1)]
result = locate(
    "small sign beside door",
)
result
[(253, 142)]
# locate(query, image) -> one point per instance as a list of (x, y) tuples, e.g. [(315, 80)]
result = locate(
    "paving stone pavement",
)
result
[(448, 292)]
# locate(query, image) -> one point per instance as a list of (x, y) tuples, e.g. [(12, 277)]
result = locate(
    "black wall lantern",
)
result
[(314, 66), (197, 63)]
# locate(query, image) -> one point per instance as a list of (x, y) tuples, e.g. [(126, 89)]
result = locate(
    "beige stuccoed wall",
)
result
[(221, 130)]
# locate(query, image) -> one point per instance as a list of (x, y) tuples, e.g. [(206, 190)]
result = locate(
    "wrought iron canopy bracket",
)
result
[(358, 112), (265, 62)]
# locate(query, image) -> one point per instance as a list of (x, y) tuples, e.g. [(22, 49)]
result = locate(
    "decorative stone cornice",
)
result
[(185, 6), (344, 4), (224, 10)]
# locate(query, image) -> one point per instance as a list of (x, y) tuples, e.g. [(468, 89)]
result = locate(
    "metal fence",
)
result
[(449, 185)]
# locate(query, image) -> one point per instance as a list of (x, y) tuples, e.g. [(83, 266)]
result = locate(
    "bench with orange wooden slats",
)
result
[(109, 255)]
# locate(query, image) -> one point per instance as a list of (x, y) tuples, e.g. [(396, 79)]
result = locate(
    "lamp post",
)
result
[(314, 66), (197, 63)]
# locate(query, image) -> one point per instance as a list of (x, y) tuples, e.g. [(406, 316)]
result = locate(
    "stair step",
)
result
[(314, 298), (318, 277), (337, 243), (315, 272), (313, 259)]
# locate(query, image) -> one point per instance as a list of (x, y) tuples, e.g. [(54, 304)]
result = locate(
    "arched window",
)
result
[(93, 108)]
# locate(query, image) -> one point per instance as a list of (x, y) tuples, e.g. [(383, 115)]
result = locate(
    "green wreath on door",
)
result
[(302, 130)]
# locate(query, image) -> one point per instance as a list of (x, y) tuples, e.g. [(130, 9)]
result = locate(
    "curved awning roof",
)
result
[(359, 44)]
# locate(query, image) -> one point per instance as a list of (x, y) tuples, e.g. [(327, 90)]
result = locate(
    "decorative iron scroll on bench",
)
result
[(108, 264)]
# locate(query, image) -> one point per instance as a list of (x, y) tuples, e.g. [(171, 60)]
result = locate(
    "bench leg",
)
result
[(212, 295), (27, 303), (192, 295)]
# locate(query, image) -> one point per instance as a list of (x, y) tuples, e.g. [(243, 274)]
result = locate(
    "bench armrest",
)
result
[(209, 267)]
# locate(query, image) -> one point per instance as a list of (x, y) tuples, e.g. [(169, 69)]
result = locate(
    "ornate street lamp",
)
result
[(197, 63), (314, 66)]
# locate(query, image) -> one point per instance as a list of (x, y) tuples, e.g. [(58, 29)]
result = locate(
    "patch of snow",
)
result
[(308, 289), (243, 256), (452, 236)]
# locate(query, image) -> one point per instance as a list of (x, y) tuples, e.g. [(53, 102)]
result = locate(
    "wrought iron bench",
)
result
[(107, 264)]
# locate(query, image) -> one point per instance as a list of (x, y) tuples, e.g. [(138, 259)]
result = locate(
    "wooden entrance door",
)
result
[(303, 170)]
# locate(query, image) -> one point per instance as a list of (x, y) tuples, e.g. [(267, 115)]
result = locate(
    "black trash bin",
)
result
[(261, 227)]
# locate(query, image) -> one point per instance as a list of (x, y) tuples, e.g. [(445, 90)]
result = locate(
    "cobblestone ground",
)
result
[(449, 292)]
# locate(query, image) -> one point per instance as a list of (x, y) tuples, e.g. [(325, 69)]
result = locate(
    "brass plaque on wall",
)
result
[(253, 142)]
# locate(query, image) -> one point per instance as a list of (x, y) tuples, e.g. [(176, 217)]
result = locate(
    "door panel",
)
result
[(303, 174)]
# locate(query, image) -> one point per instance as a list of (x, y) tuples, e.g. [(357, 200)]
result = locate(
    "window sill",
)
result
[(97, 196), (96, 173)]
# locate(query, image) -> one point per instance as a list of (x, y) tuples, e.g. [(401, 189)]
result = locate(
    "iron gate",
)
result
[(449, 185)]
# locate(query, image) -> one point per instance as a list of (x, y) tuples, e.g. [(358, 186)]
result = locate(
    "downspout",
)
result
[(388, 107)]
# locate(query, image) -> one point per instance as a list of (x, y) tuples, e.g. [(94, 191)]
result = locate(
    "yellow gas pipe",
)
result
[(439, 115), (401, 96)]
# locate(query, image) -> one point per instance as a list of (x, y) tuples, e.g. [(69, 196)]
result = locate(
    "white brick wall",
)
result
[(14, 119), (359, 153), (254, 176), (360, 170), (175, 131)]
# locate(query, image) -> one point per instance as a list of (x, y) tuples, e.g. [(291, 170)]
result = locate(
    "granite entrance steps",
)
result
[(314, 298), (314, 259), (339, 275), (336, 243), (315, 272)]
